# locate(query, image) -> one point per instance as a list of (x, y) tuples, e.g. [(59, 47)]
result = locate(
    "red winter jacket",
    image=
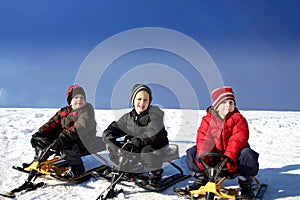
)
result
[(228, 136)]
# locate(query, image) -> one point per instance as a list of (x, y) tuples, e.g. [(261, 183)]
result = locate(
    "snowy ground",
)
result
[(275, 135)]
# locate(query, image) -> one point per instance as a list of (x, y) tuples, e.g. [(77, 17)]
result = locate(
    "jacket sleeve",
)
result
[(205, 141), (53, 126), (154, 133), (237, 141), (112, 132)]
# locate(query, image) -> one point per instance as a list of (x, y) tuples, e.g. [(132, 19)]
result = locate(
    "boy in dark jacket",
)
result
[(66, 128), (224, 130), (143, 128)]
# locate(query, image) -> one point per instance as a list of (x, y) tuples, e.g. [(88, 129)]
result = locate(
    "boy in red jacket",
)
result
[(224, 130)]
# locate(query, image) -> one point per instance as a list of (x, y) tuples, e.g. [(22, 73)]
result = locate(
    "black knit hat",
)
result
[(139, 87), (74, 90)]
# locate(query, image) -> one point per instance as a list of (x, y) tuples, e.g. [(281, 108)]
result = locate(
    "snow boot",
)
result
[(200, 180), (155, 178), (246, 187), (74, 172)]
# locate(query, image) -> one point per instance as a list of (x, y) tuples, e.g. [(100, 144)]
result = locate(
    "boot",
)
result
[(74, 172), (200, 180), (155, 177), (246, 187)]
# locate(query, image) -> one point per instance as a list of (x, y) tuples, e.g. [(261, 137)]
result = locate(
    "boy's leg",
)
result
[(152, 160), (200, 177), (248, 162), (247, 167), (73, 157), (191, 159)]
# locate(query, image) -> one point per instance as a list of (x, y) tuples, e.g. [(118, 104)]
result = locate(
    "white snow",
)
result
[(274, 134)]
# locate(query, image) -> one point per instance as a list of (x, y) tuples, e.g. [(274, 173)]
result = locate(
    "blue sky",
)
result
[(254, 44)]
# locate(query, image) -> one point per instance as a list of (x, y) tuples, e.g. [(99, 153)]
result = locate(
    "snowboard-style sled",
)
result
[(41, 166), (214, 189), (116, 175)]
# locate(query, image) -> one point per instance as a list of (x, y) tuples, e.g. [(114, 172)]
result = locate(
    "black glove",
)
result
[(136, 142), (132, 145), (108, 138), (61, 142), (37, 140), (39, 134)]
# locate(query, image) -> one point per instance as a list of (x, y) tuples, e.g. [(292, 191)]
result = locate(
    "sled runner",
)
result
[(40, 167), (116, 176), (32, 175), (214, 189)]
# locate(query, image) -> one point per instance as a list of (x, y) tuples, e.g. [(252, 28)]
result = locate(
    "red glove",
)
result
[(231, 166), (207, 160)]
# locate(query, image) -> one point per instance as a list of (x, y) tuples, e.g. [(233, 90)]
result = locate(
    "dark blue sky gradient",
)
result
[(255, 45)]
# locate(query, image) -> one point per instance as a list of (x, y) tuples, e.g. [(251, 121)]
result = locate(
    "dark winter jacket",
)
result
[(76, 123), (144, 129), (228, 136)]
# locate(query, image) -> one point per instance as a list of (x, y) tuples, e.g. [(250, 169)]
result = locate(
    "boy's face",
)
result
[(141, 101), (78, 101), (225, 107)]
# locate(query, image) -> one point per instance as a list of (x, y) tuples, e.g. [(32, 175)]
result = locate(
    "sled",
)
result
[(116, 176), (214, 189), (54, 165), (42, 167), (172, 154)]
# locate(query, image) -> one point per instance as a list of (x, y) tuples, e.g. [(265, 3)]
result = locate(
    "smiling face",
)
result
[(225, 107), (78, 101), (141, 101)]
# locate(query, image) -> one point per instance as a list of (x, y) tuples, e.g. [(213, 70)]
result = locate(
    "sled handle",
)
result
[(213, 172)]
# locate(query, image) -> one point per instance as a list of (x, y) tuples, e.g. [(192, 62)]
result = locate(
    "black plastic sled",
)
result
[(116, 176)]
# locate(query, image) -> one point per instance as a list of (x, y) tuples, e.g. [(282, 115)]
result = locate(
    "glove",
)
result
[(133, 145), (231, 165), (39, 134), (36, 137), (136, 143), (62, 141), (108, 138)]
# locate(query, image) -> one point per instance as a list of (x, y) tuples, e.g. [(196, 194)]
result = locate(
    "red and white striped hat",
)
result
[(220, 94)]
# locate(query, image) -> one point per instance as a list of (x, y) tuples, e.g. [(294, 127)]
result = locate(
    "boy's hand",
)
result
[(60, 142)]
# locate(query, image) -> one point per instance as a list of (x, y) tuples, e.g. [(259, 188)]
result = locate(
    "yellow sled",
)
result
[(216, 176), (54, 165)]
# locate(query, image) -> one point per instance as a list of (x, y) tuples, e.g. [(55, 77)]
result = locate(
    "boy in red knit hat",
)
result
[(224, 130), (64, 129)]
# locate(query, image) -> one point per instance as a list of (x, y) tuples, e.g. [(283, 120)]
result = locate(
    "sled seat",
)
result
[(172, 153)]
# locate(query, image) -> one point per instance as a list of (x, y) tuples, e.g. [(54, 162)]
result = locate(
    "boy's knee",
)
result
[(248, 162)]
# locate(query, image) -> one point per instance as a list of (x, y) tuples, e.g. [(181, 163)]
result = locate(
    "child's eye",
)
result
[(78, 97)]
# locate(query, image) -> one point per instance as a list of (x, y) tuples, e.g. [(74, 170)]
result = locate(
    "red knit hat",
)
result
[(221, 94), (74, 90)]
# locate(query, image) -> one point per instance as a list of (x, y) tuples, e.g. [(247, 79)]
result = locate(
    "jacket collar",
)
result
[(211, 110)]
